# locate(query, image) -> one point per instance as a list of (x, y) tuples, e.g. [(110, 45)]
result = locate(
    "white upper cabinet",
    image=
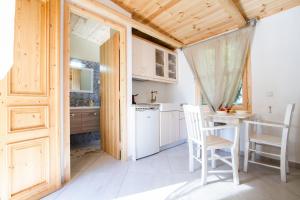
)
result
[(152, 62), (143, 59)]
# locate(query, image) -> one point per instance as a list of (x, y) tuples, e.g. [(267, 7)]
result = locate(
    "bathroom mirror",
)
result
[(81, 79)]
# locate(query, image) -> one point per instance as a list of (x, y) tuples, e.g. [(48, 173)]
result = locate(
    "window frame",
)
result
[(246, 87)]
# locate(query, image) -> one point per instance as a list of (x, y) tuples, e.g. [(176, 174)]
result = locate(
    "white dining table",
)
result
[(230, 118)]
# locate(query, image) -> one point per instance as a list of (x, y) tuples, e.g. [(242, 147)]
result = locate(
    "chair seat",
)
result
[(266, 139), (215, 142)]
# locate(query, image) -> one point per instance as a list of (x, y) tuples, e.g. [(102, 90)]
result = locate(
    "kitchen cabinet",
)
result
[(182, 126), (165, 65), (75, 122), (84, 120), (142, 59), (153, 62), (172, 128), (169, 127)]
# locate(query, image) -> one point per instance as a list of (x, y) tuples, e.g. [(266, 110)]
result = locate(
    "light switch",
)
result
[(269, 94)]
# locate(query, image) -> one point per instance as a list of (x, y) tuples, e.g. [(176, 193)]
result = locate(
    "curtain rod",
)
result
[(250, 22)]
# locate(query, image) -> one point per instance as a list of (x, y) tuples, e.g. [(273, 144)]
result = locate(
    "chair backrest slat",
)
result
[(288, 114), (194, 122), (287, 121)]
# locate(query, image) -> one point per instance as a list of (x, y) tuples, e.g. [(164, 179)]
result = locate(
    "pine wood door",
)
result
[(29, 97), (110, 96)]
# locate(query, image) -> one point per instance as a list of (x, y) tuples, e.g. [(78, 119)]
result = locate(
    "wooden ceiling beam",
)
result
[(135, 15), (218, 29), (115, 16), (233, 11), (164, 8)]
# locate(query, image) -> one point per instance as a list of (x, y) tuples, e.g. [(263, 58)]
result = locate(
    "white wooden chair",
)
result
[(269, 140), (199, 136)]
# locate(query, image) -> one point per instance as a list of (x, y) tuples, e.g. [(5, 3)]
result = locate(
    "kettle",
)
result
[(133, 98)]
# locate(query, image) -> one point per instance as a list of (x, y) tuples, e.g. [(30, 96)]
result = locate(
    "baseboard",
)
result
[(168, 146)]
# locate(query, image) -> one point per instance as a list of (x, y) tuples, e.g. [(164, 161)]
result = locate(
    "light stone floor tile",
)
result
[(165, 176)]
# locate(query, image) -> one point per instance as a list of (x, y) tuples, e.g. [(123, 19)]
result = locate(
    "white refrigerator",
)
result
[(146, 131)]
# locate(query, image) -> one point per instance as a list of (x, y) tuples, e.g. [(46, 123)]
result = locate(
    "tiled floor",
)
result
[(165, 176)]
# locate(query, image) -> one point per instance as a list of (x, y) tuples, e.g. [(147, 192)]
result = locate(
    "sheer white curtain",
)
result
[(218, 65)]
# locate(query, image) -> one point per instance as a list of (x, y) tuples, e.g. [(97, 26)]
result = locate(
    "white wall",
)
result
[(84, 49), (184, 90), (180, 92), (144, 88), (275, 58)]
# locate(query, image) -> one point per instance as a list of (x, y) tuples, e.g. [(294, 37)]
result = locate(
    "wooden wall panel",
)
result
[(30, 51), (28, 118)]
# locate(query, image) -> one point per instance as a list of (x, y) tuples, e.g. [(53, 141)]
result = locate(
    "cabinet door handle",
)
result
[(95, 113)]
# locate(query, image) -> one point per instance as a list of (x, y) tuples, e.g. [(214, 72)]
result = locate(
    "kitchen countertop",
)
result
[(163, 106), (84, 107)]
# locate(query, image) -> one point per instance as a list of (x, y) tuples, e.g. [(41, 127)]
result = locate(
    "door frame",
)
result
[(74, 8)]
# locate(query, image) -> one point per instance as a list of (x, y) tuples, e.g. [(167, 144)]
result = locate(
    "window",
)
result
[(242, 99), (239, 96)]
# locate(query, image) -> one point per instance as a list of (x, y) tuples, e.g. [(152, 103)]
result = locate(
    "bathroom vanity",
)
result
[(84, 119)]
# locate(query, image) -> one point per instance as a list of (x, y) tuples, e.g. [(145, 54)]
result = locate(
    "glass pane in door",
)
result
[(171, 66), (159, 63)]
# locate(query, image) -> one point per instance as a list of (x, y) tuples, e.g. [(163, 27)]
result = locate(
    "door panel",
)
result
[(33, 169), (29, 105), (169, 127), (110, 95), (30, 51), (143, 55), (27, 118)]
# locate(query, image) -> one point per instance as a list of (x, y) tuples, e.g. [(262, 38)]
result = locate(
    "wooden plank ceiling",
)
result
[(89, 29), (189, 21)]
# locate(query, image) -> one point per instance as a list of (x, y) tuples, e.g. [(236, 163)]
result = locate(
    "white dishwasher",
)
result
[(146, 129)]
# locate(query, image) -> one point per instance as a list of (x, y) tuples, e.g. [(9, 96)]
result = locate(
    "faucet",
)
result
[(80, 102), (153, 97), (91, 102)]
